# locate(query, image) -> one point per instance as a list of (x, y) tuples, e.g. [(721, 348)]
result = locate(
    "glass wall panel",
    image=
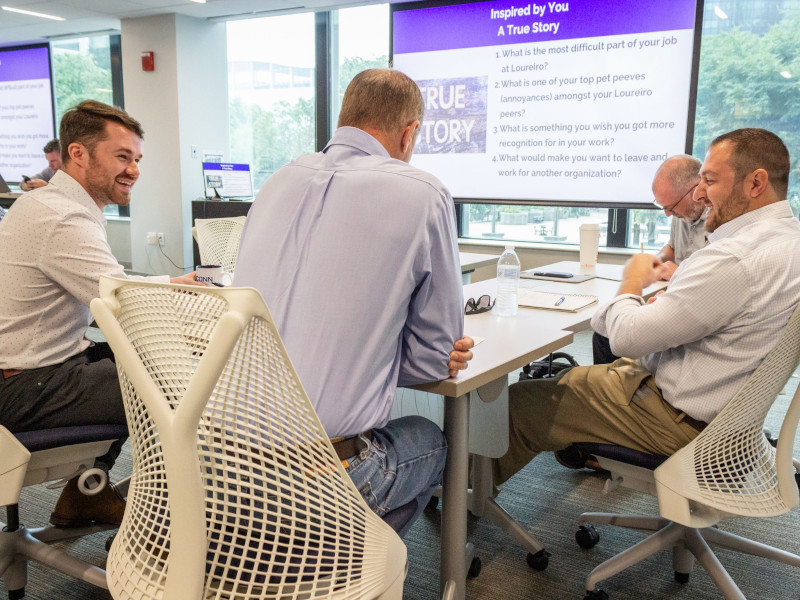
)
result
[(271, 91)]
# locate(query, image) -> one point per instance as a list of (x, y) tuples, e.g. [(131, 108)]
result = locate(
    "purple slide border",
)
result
[(209, 166), (470, 25), (24, 64)]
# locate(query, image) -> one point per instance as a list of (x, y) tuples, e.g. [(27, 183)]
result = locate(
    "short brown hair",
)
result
[(86, 124), (52, 146), (381, 99), (758, 149)]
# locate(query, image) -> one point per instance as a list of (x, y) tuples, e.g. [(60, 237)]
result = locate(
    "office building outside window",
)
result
[(271, 74)]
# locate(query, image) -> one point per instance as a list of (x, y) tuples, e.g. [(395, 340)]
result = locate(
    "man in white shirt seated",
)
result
[(699, 341), (52, 152), (53, 250)]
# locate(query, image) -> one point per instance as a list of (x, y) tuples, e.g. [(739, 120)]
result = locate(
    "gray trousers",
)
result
[(83, 390), (615, 403)]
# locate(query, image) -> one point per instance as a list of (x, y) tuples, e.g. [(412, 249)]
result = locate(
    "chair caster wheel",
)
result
[(596, 594), (474, 567), (538, 561), (433, 503), (587, 537), (109, 541), (681, 577)]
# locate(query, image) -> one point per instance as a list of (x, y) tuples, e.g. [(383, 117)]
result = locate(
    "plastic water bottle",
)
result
[(507, 283)]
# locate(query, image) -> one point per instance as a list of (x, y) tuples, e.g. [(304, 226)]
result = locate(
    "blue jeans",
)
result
[(403, 463)]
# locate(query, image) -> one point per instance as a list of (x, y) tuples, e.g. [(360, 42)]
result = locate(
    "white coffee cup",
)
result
[(590, 242), (212, 275)]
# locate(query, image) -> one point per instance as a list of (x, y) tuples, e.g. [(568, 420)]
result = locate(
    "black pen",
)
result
[(560, 300)]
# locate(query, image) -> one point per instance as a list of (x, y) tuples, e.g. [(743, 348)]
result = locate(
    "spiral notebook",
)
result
[(553, 301)]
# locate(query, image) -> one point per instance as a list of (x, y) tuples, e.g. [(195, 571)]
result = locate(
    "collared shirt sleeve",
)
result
[(76, 254), (435, 316), (692, 308)]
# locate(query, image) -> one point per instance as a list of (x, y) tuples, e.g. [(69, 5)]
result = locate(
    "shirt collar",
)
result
[(76, 192), (358, 139), (776, 210)]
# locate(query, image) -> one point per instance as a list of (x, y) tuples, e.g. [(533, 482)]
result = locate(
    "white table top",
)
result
[(470, 261), (604, 289)]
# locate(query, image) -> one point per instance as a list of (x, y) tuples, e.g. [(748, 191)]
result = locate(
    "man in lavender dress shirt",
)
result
[(355, 252)]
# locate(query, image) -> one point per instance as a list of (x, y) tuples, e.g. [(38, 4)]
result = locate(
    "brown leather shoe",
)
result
[(75, 509)]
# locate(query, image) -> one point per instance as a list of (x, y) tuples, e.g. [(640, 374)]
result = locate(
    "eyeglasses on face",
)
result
[(481, 305), (670, 208)]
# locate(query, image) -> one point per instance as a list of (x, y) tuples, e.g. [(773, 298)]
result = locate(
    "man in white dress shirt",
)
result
[(698, 342), (53, 250)]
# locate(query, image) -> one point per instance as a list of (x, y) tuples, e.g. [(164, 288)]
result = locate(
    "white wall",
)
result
[(183, 103)]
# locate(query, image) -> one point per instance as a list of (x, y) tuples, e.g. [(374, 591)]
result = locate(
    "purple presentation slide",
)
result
[(26, 110), (575, 101)]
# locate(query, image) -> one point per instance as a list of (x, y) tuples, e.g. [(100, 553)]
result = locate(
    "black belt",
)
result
[(349, 447), (682, 416)]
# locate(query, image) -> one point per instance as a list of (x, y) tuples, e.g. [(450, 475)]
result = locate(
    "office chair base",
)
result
[(23, 545), (688, 545)]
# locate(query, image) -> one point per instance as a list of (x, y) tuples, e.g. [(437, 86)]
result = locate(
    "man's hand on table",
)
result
[(460, 355), (640, 271), (188, 279)]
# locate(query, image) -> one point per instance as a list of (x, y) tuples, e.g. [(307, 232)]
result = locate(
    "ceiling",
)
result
[(88, 16)]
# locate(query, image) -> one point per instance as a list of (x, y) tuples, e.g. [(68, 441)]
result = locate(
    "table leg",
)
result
[(454, 498)]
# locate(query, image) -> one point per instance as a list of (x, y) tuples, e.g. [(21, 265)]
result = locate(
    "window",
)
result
[(81, 71), (359, 40), (271, 75), (548, 224)]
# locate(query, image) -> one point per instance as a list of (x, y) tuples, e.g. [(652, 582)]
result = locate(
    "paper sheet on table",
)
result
[(554, 300), (612, 272)]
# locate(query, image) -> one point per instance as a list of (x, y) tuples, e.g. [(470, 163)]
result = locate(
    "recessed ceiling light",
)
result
[(786, 74), (31, 13), (199, 1), (719, 12)]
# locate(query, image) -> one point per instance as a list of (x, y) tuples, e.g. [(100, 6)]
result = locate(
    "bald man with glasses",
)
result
[(673, 187)]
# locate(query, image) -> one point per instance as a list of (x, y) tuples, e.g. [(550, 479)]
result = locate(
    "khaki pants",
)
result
[(598, 403)]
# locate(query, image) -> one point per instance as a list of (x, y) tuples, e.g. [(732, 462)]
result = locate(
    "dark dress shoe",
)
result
[(75, 509)]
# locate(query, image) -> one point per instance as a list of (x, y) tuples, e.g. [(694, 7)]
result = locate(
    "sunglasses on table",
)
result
[(481, 305)]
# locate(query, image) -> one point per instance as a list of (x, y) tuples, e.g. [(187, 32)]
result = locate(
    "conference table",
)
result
[(475, 410)]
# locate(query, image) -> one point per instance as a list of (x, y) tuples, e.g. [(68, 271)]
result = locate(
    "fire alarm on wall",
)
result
[(148, 61)]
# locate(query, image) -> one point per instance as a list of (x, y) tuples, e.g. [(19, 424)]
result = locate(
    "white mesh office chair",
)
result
[(236, 490), (729, 470), (35, 457), (218, 240)]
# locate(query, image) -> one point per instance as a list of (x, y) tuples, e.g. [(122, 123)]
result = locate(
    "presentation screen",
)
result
[(27, 120), (227, 180), (570, 102)]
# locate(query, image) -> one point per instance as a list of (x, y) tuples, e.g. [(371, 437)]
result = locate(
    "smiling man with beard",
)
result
[(693, 347), (53, 251)]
